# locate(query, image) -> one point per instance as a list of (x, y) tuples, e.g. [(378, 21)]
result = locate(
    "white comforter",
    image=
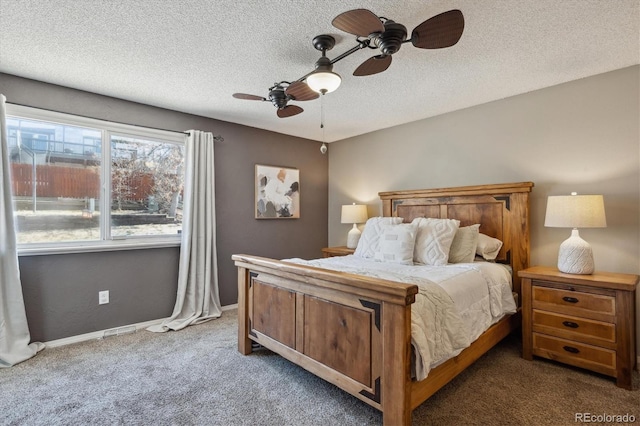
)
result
[(455, 303)]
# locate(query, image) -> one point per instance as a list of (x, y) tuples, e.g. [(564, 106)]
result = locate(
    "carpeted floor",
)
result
[(197, 377)]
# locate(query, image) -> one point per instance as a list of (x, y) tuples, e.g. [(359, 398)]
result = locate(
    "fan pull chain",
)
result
[(323, 148)]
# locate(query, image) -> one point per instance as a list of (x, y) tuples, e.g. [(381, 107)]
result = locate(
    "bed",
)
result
[(355, 331)]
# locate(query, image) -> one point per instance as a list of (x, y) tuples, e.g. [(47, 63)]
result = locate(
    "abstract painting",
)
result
[(277, 192)]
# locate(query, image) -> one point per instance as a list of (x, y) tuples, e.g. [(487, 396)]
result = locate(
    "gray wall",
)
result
[(61, 291), (580, 136)]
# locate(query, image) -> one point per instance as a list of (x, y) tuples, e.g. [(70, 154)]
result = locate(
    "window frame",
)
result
[(107, 129)]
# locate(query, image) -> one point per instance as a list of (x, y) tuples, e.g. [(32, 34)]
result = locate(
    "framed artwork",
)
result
[(277, 192)]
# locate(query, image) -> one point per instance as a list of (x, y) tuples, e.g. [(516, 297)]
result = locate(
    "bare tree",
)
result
[(122, 176), (168, 178)]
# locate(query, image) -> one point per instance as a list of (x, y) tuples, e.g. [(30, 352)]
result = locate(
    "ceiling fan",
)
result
[(281, 93), (440, 31), (372, 31)]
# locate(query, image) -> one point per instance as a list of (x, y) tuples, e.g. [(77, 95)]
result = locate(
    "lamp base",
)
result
[(353, 237), (575, 255)]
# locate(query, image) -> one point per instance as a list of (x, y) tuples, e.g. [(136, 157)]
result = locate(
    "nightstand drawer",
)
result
[(588, 305), (578, 354), (575, 328)]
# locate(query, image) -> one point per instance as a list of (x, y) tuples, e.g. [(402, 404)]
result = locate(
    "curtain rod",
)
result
[(215, 138)]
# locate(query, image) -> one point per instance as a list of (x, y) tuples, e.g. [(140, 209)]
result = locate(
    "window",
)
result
[(146, 182), (80, 182)]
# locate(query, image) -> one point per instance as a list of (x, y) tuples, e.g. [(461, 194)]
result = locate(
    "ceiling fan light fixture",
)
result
[(324, 81)]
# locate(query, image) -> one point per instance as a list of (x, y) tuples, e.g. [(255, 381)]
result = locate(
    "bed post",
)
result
[(396, 356), (244, 344), (519, 225)]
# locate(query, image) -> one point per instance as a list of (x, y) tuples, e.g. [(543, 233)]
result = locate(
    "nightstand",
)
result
[(587, 321), (336, 251)]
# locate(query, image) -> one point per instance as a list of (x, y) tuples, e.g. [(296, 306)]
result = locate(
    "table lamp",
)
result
[(575, 211), (354, 213)]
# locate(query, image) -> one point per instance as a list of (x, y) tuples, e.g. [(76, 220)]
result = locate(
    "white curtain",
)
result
[(14, 330), (198, 298)]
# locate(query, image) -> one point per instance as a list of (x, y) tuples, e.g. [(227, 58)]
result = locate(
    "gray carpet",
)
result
[(197, 377)]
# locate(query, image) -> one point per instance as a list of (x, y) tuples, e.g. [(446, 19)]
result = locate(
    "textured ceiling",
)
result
[(192, 55)]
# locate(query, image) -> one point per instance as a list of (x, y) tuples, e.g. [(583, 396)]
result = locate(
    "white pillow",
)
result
[(488, 247), (434, 239), (396, 244), (368, 243), (463, 247)]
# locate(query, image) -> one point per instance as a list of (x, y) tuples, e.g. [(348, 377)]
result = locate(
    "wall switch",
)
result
[(103, 297)]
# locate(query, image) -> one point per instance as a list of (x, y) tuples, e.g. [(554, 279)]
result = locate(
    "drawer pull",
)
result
[(570, 324), (571, 349), (570, 299)]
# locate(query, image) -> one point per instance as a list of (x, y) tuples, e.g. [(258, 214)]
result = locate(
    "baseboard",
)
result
[(125, 329), (230, 307), (101, 333)]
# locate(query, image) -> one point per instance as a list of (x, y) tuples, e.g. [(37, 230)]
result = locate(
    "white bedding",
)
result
[(455, 303)]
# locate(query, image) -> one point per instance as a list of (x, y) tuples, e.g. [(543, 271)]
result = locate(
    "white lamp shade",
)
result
[(323, 81), (354, 213), (575, 211)]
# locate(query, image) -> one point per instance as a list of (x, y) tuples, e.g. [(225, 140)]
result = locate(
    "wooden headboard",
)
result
[(502, 210)]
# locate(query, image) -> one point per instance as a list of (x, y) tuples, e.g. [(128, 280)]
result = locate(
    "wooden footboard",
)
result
[(352, 331)]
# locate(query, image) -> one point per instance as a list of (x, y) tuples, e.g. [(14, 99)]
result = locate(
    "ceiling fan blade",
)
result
[(248, 97), (289, 111), (443, 30), (360, 22), (373, 65), (301, 91)]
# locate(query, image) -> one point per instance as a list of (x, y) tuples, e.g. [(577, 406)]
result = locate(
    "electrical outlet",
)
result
[(103, 297)]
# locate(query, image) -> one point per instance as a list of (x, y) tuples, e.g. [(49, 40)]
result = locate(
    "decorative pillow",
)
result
[(396, 244), (488, 247), (368, 243), (434, 239), (463, 247)]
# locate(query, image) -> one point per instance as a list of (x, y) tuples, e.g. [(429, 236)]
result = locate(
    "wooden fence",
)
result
[(73, 182)]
